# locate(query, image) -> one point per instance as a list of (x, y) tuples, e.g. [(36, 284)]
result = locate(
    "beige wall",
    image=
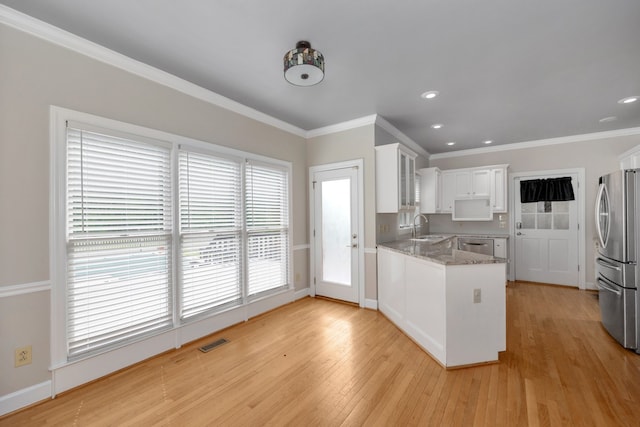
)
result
[(597, 157), (36, 74), (350, 145)]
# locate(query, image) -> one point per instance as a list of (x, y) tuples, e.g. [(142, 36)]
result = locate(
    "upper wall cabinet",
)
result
[(499, 189), (630, 159), (430, 188), (395, 178), (464, 184), (474, 183)]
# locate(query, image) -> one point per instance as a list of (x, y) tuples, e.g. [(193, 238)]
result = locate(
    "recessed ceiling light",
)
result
[(430, 94), (451, 143), (437, 126), (488, 141), (608, 119), (629, 99)]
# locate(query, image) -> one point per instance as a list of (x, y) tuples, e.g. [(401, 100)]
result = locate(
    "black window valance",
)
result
[(546, 190)]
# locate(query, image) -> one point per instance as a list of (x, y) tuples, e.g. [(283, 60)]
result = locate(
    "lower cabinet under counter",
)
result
[(434, 304)]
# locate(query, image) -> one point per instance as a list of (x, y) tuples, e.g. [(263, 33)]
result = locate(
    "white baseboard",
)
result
[(590, 286), (25, 397), (371, 303), (301, 294)]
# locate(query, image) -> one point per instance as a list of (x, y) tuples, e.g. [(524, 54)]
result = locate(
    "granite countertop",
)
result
[(442, 251)]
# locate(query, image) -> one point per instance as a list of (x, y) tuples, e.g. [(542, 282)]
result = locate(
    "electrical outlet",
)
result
[(477, 296), (23, 356)]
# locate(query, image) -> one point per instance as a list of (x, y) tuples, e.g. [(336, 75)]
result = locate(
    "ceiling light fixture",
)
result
[(430, 94), (488, 141), (451, 143), (303, 66), (437, 126), (629, 99)]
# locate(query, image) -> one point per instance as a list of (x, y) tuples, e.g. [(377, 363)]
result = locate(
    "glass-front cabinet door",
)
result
[(406, 182), (403, 179)]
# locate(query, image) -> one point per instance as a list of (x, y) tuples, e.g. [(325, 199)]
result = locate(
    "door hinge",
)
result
[(314, 184), (578, 226), (314, 280), (578, 267), (314, 232)]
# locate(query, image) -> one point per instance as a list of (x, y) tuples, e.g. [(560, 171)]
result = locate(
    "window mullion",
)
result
[(176, 230), (245, 234)]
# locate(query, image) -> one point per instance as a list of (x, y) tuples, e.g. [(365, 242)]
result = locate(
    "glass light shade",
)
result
[(303, 66)]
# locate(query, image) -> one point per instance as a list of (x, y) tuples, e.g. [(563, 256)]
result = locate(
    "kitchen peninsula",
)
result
[(450, 302)]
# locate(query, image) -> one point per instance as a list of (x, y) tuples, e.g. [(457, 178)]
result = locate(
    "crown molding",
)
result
[(376, 119), (540, 143), (341, 127), (58, 36), (384, 124)]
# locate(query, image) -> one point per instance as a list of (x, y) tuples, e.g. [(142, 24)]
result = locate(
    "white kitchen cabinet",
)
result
[(499, 189), (464, 184), (480, 183), (630, 159), (436, 306), (391, 297), (430, 186), (475, 183), (448, 191), (395, 178)]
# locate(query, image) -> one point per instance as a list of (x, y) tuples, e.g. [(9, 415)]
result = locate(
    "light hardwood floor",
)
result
[(317, 362)]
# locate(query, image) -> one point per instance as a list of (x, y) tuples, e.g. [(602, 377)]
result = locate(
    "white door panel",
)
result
[(335, 233), (546, 239)]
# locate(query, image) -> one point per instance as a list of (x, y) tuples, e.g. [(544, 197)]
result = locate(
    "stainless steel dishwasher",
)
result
[(480, 245)]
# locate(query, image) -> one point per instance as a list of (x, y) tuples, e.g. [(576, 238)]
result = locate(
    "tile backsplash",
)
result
[(442, 223)]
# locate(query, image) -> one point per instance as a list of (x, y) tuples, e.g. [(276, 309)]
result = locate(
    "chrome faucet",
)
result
[(413, 229)]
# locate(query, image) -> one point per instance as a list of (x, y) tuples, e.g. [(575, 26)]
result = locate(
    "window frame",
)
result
[(182, 331)]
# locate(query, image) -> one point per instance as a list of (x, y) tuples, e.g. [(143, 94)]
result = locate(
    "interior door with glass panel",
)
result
[(546, 239), (335, 233)]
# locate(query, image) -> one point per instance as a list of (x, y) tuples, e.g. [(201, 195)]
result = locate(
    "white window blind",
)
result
[(118, 240), (267, 222), (210, 233)]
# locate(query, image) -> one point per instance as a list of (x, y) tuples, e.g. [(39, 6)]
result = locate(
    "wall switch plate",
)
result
[(477, 296), (23, 356)]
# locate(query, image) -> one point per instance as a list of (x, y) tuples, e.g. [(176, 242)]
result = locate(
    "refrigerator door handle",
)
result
[(607, 264), (603, 235), (601, 284)]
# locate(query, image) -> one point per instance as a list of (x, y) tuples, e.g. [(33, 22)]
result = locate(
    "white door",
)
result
[(546, 238), (335, 236)]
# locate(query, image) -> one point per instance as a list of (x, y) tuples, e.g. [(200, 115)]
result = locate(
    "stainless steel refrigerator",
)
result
[(618, 225)]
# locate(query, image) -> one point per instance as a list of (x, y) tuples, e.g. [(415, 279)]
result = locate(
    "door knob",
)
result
[(519, 234), (354, 245)]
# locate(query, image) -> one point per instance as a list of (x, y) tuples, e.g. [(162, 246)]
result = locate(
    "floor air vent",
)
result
[(209, 347)]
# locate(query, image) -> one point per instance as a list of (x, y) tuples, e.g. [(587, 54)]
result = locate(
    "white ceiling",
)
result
[(507, 70)]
